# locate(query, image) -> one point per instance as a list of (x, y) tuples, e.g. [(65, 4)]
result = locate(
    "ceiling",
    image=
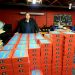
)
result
[(47, 3)]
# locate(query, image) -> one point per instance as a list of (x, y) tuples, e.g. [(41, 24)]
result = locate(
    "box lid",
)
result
[(20, 53), (4, 54), (8, 47)]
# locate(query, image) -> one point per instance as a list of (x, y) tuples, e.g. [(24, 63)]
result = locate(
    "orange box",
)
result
[(35, 59), (57, 63), (58, 48), (69, 52), (21, 70), (69, 41), (33, 55), (22, 65), (5, 57), (69, 35), (34, 50), (5, 67), (47, 73), (67, 57), (45, 61), (6, 72), (46, 66), (22, 73), (56, 73), (57, 69), (68, 45), (34, 67), (67, 73), (49, 50), (58, 45), (67, 70), (20, 56), (45, 44), (43, 54), (56, 35)]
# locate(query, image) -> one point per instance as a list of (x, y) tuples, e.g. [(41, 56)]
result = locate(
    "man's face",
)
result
[(27, 16)]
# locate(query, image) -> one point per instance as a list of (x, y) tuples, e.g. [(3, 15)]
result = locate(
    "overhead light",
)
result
[(70, 5), (34, 2)]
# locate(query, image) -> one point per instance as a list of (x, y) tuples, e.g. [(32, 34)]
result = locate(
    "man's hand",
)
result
[(1, 31), (16, 33)]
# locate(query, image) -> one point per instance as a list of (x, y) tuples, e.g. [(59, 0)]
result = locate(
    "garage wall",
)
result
[(12, 16)]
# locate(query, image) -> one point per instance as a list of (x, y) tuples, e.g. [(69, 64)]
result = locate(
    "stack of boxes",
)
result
[(34, 56), (20, 61), (57, 40), (68, 53), (46, 56), (6, 63)]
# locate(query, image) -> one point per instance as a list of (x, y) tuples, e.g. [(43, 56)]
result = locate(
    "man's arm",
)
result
[(36, 26)]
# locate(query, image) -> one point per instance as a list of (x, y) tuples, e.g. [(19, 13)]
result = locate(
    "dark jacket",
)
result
[(22, 25)]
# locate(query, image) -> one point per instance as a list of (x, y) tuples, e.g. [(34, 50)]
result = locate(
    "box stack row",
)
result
[(68, 53), (57, 40), (34, 53)]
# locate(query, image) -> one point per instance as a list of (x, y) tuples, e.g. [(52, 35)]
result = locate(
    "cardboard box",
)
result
[(20, 56)]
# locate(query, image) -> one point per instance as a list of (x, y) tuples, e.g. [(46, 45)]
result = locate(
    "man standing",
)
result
[(27, 25)]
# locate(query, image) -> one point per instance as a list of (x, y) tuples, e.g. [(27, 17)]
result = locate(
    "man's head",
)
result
[(27, 16)]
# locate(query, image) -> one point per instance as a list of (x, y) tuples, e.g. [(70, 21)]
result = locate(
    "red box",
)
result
[(21, 70), (20, 56), (49, 50), (67, 57), (35, 59), (5, 67), (46, 61), (6, 72), (67, 45), (58, 45), (67, 70), (45, 44), (22, 73), (69, 41), (69, 52), (5, 57), (72, 36), (56, 73), (33, 55), (34, 67), (22, 65), (56, 35), (48, 54), (34, 51), (67, 73), (47, 73), (57, 63)]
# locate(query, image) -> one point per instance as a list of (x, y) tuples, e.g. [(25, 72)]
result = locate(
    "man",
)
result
[(27, 25)]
